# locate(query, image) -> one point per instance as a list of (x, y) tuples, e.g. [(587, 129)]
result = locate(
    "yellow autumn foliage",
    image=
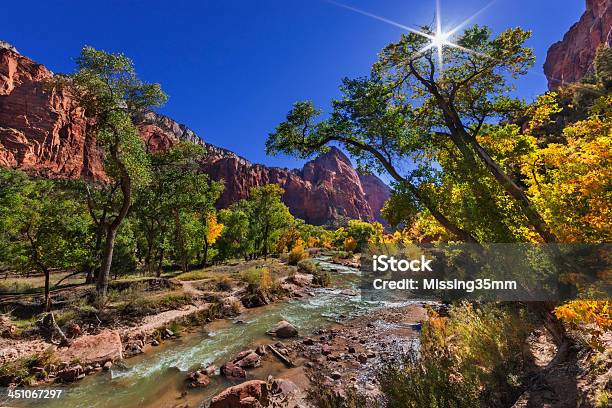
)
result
[(214, 228), (297, 253), (586, 312), (350, 244), (572, 183)]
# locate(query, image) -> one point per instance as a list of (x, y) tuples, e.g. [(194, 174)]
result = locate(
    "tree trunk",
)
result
[(91, 271), (180, 242), (205, 257), (454, 229), (265, 241), (460, 138), (160, 262), (111, 228), (149, 256), (47, 297), (535, 219), (107, 259), (90, 274)]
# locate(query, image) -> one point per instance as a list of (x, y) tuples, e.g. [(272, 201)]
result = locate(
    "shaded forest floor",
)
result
[(584, 379)]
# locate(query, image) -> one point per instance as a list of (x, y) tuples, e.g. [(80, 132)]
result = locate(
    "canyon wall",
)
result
[(570, 59), (41, 131), (326, 189)]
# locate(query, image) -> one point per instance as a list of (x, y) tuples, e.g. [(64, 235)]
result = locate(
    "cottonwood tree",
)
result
[(253, 227), (43, 226), (234, 240), (268, 216), (211, 231), (361, 232), (106, 86), (173, 210), (411, 111)]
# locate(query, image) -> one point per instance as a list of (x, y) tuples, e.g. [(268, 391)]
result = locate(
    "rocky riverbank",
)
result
[(347, 354)]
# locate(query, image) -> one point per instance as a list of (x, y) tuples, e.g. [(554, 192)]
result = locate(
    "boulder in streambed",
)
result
[(210, 370), (92, 349), (325, 349), (71, 374), (231, 306), (284, 330), (232, 371), (255, 297), (252, 393), (198, 379), (250, 360), (283, 388), (299, 279)]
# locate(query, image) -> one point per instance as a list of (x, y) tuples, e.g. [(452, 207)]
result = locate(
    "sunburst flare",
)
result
[(438, 39)]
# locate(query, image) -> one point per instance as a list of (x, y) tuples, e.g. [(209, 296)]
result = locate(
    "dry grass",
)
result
[(200, 274), (147, 304)]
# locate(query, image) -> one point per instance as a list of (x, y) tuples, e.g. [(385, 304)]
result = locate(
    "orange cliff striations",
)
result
[(45, 133)]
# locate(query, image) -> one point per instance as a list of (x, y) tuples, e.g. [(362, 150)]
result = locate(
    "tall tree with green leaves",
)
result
[(42, 226), (254, 226), (268, 215), (361, 232), (411, 111), (106, 86), (234, 240), (173, 211)]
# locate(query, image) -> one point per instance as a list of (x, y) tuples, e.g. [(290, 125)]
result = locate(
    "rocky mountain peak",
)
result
[(332, 155), (6, 46)]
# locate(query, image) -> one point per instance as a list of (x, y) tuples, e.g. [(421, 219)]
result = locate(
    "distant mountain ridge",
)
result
[(45, 133)]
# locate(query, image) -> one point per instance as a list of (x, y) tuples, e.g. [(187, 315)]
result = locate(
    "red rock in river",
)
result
[(232, 371), (252, 393), (569, 60), (45, 133)]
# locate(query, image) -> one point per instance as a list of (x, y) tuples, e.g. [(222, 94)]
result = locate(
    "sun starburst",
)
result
[(438, 39)]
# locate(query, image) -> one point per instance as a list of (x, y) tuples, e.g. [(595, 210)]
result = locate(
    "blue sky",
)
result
[(233, 68)]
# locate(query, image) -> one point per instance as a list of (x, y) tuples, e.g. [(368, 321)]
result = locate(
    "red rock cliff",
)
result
[(45, 133), (41, 132), (569, 60), (326, 189)]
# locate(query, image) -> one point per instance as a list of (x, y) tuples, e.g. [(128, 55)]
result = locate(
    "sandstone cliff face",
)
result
[(41, 132), (326, 189), (45, 133), (569, 60), (159, 132)]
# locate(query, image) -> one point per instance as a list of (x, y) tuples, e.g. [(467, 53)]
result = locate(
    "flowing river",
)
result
[(157, 378)]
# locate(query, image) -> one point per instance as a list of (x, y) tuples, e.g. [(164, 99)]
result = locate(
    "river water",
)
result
[(155, 379)]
